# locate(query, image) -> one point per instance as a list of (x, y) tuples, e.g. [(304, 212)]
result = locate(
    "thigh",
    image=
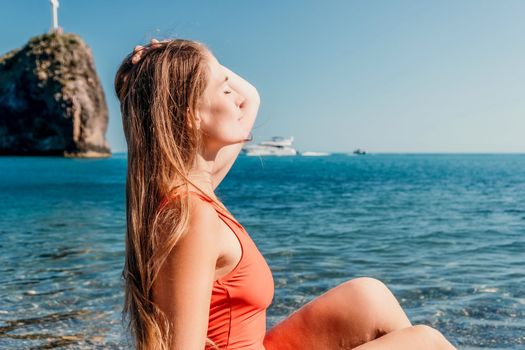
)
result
[(410, 338), (344, 317)]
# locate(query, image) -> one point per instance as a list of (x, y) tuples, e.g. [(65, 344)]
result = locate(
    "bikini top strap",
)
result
[(218, 207), (204, 197)]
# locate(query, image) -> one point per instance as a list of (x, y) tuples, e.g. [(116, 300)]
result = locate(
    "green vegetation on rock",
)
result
[(51, 100)]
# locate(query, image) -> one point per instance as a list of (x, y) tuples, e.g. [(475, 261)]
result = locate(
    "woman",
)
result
[(193, 277)]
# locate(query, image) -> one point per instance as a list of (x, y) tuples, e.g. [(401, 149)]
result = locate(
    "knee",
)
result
[(432, 338), (369, 288), (360, 298), (429, 332), (372, 297), (367, 282), (381, 306)]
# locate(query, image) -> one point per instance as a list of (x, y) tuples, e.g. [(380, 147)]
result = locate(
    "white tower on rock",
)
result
[(54, 12)]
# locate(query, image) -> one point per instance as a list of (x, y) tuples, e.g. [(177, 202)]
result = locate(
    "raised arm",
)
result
[(183, 287), (227, 155)]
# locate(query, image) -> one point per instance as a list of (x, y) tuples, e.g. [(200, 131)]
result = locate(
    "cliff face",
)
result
[(51, 100)]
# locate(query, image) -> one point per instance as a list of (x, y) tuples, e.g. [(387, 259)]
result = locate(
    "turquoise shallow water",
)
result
[(445, 232)]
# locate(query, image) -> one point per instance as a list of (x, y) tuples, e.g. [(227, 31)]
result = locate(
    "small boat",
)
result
[(314, 154), (359, 152), (277, 146)]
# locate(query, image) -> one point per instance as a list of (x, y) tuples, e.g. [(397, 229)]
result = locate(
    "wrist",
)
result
[(241, 85)]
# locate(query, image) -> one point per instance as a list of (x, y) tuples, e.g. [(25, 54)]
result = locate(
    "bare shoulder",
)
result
[(203, 225), (184, 285)]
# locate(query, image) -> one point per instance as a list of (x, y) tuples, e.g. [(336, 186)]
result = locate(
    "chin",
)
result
[(240, 141), (241, 137)]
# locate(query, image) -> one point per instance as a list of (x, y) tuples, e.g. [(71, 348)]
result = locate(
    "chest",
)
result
[(230, 249), (246, 278)]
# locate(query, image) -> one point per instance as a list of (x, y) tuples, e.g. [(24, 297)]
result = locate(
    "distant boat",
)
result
[(277, 146), (314, 154), (359, 152)]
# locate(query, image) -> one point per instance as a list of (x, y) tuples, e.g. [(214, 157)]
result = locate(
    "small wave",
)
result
[(484, 289)]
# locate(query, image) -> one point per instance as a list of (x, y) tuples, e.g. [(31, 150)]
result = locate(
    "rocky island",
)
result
[(51, 100)]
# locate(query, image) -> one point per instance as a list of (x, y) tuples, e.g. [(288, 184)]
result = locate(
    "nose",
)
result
[(239, 101)]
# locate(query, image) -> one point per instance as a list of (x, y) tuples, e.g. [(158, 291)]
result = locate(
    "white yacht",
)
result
[(277, 146), (314, 154)]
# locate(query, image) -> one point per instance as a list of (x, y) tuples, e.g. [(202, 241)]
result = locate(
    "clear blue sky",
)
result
[(387, 76)]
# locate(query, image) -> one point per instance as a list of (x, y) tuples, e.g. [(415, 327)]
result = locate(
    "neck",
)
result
[(201, 174)]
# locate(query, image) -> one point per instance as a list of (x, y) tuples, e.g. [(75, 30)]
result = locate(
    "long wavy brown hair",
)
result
[(158, 99)]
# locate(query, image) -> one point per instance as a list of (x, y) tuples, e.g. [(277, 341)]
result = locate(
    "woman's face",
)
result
[(219, 109)]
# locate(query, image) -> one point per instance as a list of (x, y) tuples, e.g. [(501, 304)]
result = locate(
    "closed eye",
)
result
[(227, 92)]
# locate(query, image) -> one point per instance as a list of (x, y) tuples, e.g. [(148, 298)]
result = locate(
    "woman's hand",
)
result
[(139, 50), (227, 155), (243, 87)]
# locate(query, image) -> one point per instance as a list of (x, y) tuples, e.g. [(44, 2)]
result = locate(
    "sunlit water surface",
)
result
[(445, 232)]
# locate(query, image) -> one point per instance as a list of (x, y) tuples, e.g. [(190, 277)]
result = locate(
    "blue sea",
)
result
[(445, 232)]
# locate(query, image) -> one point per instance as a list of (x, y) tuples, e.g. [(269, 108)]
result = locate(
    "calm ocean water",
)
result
[(445, 232)]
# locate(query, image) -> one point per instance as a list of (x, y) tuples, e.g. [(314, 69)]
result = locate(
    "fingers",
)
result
[(136, 56), (139, 49), (154, 43)]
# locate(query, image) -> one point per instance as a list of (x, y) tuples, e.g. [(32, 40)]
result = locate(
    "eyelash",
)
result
[(227, 92)]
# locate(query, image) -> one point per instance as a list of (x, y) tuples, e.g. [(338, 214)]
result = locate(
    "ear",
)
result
[(197, 119)]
